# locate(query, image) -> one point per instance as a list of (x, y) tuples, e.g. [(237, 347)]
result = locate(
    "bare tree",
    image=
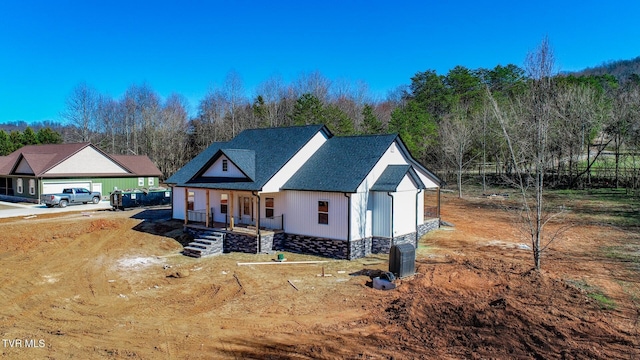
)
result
[(109, 123), (172, 135), (313, 83), (526, 136), (273, 91), (80, 112), (624, 117), (209, 125), (234, 92), (456, 137)]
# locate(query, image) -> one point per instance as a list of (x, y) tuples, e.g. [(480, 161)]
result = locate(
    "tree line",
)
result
[(15, 139), (447, 120)]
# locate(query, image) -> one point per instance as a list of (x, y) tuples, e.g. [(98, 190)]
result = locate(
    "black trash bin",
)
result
[(116, 199), (402, 260)]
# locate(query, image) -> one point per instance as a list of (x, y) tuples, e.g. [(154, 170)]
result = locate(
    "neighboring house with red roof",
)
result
[(43, 169)]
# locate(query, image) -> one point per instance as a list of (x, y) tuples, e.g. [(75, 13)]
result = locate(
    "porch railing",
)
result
[(199, 215), (430, 212), (272, 223)]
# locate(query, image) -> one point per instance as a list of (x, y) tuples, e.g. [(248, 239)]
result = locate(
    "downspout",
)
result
[(392, 236), (39, 187), (255, 193), (417, 236), (439, 204), (348, 226)]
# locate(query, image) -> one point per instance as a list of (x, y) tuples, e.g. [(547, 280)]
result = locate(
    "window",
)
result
[(246, 206), (191, 198), (19, 185), (323, 212), (224, 201), (32, 186), (150, 181), (141, 181), (225, 165), (268, 207)]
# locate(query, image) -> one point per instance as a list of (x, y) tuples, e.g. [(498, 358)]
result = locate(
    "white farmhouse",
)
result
[(302, 189)]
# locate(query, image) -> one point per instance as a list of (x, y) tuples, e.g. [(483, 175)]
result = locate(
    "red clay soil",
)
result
[(112, 286)]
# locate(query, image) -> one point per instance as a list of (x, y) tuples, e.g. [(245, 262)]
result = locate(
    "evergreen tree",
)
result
[(338, 121), (48, 136), (307, 110), (5, 143), (415, 126), (370, 122), (260, 111), (29, 136), (15, 139)]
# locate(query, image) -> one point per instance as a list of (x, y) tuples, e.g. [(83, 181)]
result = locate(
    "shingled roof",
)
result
[(272, 148), (392, 176), (137, 164), (39, 157), (42, 158), (341, 164)]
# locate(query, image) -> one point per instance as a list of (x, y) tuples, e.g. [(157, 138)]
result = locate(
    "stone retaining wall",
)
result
[(335, 249), (244, 243)]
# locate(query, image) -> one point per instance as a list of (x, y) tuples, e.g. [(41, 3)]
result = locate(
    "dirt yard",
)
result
[(113, 285)]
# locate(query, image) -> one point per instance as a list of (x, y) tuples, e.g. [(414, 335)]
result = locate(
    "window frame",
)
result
[(140, 181), (323, 212), (224, 203), (269, 209), (225, 165), (246, 206), (151, 181), (19, 185), (32, 186)]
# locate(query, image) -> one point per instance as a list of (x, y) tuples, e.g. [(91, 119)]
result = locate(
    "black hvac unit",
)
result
[(402, 260)]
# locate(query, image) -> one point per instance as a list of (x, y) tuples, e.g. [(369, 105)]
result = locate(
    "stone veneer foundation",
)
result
[(335, 249), (340, 249)]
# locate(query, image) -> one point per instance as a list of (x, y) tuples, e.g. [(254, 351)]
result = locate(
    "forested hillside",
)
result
[(622, 69), (448, 121)]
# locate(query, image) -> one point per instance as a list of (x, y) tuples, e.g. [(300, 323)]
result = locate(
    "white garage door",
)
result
[(57, 187), (97, 187)]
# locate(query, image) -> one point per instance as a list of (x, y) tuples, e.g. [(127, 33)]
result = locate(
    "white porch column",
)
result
[(230, 212)]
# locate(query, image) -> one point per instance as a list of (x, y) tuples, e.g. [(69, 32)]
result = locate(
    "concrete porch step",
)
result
[(205, 241)]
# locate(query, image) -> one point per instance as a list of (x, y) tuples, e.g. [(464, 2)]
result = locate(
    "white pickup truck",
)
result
[(70, 196)]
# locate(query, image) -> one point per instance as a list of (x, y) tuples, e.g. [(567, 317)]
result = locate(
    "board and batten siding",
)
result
[(381, 213), (216, 169), (87, 160), (301, 214), (404, 212), (300, 158), (215, 198), (178, 210), (392, 156), (278, 203), (361, 216), (200, 201)]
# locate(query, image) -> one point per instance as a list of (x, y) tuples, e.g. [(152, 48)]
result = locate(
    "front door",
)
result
[(246, 210)]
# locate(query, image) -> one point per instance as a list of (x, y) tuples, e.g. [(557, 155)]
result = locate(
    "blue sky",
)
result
[(187, 47)]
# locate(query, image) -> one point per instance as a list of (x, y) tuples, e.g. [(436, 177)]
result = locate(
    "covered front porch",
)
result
[(248, 211)]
